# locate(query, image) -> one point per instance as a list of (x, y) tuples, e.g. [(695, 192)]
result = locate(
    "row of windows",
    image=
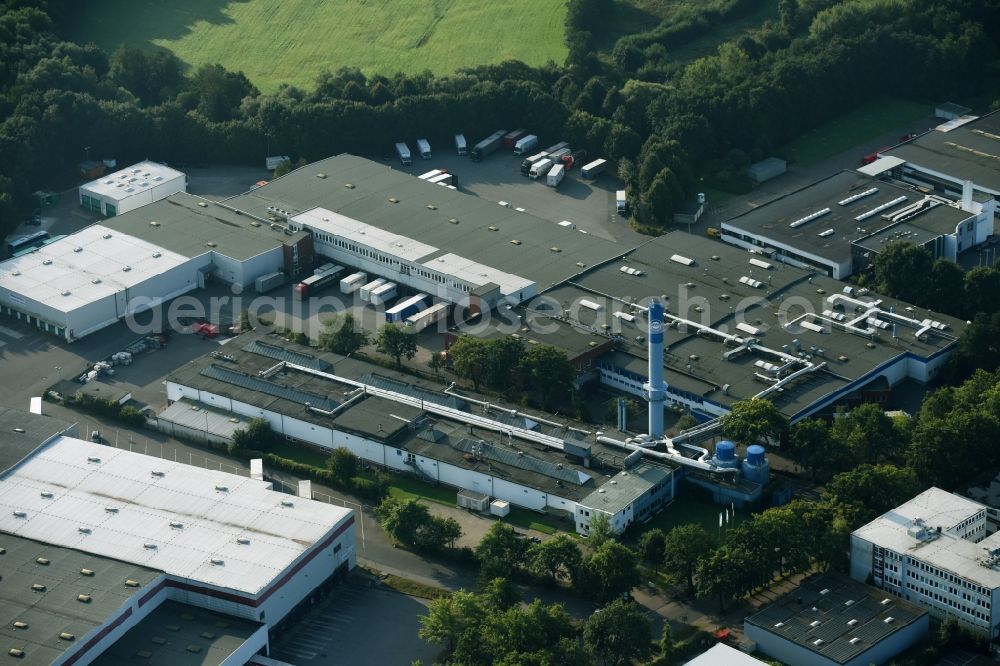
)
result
[(944, 575), (968, 610)]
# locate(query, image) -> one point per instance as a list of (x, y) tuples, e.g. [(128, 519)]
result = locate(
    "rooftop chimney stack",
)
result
[(967, 196), (655, 388)]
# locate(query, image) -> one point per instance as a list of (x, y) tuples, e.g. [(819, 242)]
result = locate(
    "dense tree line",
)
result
[(666, 125)]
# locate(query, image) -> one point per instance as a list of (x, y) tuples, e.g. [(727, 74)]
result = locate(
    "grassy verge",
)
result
[(866, 122), (410, 587), (292, 41), (530, 520), (299, 454), (401, 487)]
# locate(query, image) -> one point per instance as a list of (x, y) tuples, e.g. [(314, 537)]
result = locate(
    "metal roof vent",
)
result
[(886, 601), (130, 189), (849, 602), (65, 293), (87, 572), (20, 625), (222, 489), (431, 207), (287, 502), (157, 255), (203, 204), (149, 546), (581, 264), (818, 642), (393, 200), (193, 649), (779, 625), (83, 530), (84, 598), (177, 525), (16, 273), (131, 583), (854, 641), (243, 541), (106, 236), (96, 281), (154, 223), (349, 186), (66, 636), (515, 242), (44, 561), (321, 175), (157, 472), (815, 623), (255, 224), (20, 514), (46, 262), (16, 652), (210, 244), (852, 622), (493, 228), (554, 249), (453, 220), (46, 494), (889, 620), (78, 249), (19, 430), (37, 587), (93, 459), (111, 509), (217, 561), (126, 269)]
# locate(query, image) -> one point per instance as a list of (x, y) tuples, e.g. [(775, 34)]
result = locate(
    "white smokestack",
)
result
[(967, 196), (655, 388)]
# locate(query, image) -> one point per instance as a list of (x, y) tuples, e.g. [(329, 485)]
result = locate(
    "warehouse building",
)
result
[(734, 319), (935, 551), (831, 620), (131, 188), (109, 536), (443, 437), (839, 224), (957, 159)]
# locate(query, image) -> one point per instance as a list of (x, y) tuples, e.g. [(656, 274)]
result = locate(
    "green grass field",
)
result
[(847, 131), (291, 41), (686, 509)]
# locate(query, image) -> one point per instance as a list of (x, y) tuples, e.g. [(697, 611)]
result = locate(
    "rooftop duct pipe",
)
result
[(655, 388), (671, 454)]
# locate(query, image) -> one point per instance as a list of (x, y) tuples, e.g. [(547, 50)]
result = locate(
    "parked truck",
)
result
[(424, 148), (404, 154), (621, 205), (488, 145), (529, 161), (366, 289), (405, 308), (421, 320), (384, 294), (525, 143), (353, 282), (460, 146), (558, 146), (540, 168), (268, 282), (557, 156), (593, 169), (555, 175), (511, 138), (322, 277), (574, 158)]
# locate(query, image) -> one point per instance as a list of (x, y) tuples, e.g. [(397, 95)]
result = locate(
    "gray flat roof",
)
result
[(186, 227), (198, 416), (412, 216), (832, 601), (190, 636), (626, 486), (56, 609), (404, 426), (772, 220), (15, 445), (969, 152), (695, 363)]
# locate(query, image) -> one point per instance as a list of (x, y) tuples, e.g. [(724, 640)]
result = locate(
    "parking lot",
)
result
[(356, 626), (589, 204)]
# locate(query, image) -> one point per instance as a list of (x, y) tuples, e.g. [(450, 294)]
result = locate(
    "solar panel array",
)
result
[(224, 374), (515, 459)]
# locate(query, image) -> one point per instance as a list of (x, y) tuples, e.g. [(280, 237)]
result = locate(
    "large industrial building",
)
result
[(98, 543), (830, 620), (935, 551), (838, 225), (957, 159), (131, 188)]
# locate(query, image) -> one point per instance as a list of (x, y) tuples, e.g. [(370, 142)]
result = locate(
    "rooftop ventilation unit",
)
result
[(217, 561), (44, 561), (78, 249), (321, 175), (809, 218), (590, 305), (46, 262), (131, 583), (824, 234), (760, 264), (126, 269), (96, 281), (750, 282), (149, 546), (106, 236), (349, 186), (202, 204), (93, 459), (222, 489), (83, 530), (852, 622), (66, 636), (680, 259), (87, 572), (861, 195), (287, 502), (83, 598), (854, 641), (878, 209), (889, 620), (111, 509), (46, 494), (886, 601), (815, 623), (515, 242), (37, 587), (243, 541), (176, 525), (157, 255), (157, 472)]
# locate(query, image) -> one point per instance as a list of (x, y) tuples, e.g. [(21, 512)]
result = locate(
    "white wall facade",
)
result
[(243, 273), (787, 254), (137, 199)]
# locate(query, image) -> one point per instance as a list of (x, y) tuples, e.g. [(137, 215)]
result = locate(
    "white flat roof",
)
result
[(881, 165), (477, 274), (722, 655), (138, 177), (143, 507), (323, 220), (945, 551), (54, 269)]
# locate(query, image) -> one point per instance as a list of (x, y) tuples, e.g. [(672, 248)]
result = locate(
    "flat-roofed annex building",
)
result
[(935, 551), (131, 188)]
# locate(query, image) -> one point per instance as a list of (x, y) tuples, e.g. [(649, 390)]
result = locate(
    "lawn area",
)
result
[(300, 454), (686, 509), (401, 487), (864, 123), (525, 519), (291, 41), (708, 43)]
